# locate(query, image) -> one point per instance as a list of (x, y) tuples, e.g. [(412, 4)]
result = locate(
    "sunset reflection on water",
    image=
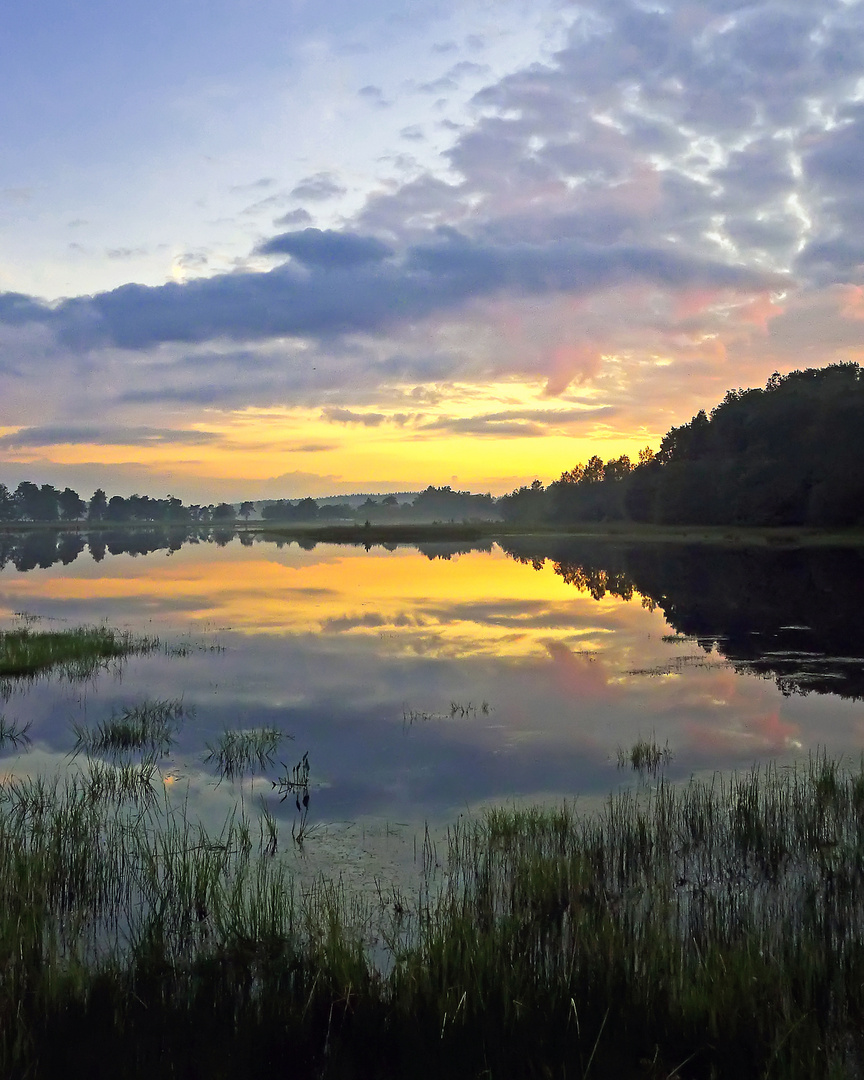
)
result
[(367, 658)]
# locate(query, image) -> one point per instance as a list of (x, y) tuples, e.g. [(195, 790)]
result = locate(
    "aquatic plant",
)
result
[(237, 752), (644, 756), (296, 783), (468, 709), (13, 734), (76, 654), (149, 725)]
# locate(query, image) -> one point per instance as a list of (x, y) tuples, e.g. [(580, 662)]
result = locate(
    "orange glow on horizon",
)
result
[(490, 439)]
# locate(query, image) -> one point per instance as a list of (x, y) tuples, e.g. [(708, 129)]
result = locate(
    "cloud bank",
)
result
[(668, 205)]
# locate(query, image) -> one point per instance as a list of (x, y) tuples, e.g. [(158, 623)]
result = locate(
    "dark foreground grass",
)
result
[(78, 653), (715, 930)]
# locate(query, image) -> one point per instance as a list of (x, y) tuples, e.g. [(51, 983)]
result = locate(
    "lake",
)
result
[(426, 683)]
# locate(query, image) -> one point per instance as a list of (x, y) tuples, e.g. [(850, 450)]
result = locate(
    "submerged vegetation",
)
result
[(708, 930)]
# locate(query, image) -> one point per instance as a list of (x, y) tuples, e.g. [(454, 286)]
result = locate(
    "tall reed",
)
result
[(708, 930)]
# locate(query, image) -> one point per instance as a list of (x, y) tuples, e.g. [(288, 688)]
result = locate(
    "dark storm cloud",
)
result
[(109, 435)]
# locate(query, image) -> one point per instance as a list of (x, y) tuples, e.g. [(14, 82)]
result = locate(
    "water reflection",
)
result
[(419, 685), (793, 615)]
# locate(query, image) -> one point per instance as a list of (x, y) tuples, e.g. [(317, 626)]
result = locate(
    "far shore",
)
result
[(465, 532)]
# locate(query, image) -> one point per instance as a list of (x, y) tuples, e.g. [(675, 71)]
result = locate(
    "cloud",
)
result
[(260, 184), (295, 218), (318, 188), (107, 435), (374, 95), (17, 310), (126, 253), (347, 285), (527, 423), (451, 80), (481, 425), (347, 416), (326, 249), (413, 133)]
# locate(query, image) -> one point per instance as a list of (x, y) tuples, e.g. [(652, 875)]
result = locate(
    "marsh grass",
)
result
[(120, 782), (457, 710), (148, 726), (645, 756), (709, 930), (13, 735), (296, 783), (239, 752), (76, 654)]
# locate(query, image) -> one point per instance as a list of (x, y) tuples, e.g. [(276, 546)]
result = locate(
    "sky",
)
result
[(278, 249)]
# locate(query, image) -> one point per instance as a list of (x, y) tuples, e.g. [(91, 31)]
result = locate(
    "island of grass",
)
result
[(703, 931), (77, 653)]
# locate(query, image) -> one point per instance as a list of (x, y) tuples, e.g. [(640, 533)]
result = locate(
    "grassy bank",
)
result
[(713, 930)]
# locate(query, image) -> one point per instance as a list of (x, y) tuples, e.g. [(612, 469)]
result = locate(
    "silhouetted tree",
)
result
[(98, 506), (36, 503), (8, 509), (72, 506)]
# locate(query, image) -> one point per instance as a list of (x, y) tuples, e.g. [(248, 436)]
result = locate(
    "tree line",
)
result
[(791, 453), (433, 504), (32, 502)]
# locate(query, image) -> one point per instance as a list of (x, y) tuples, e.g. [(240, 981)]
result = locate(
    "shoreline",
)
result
[(779, 537)]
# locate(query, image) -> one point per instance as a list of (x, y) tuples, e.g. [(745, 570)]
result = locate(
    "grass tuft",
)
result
[(150, 726), (239, 752), (644, 756), (13, 734)]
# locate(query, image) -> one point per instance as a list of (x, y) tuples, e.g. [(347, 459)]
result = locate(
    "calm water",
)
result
[(422, 684)]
